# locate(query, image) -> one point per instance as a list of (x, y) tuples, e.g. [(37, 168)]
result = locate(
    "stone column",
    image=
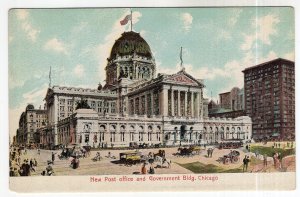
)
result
[(146, 104), (164, 102), (133, 110), (178, 135), (140, 105), (151, 103), (178, 100), (201, 104), (196, 104), (109, 107), (192, 104), (172, 102), (185, 103)]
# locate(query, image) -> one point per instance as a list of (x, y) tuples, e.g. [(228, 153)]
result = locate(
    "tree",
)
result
[(83, 104)]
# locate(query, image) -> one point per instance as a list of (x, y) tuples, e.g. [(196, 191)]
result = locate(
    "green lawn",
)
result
[(270, 151), (198, 167)]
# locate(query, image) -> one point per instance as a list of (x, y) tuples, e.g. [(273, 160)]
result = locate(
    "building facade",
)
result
[(270, 99), (231, 104), (31, 120), (136, 106)]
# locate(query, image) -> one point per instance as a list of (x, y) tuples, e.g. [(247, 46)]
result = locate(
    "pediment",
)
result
[(182, 78)]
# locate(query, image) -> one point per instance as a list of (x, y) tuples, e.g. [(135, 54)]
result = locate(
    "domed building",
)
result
[(130, 58), (136, 106)]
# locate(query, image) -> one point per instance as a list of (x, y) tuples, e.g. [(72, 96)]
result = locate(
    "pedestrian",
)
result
[(292, 144), (265, 160), (246, 160), (11, 171), (278, 144), (256, 153), (144, 170), (288, 144), (39, 151), (247, 147), (53, 157), (151, 169), (276, 161), (31, 163), (280, 160), (49, 170), (35, 162)]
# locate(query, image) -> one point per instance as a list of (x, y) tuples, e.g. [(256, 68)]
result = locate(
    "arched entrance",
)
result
[(182, 132)]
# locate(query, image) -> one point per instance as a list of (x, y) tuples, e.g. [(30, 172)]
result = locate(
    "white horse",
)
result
[(162, 161)]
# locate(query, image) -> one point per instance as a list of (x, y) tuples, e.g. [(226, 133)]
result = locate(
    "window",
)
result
[(62, 101)]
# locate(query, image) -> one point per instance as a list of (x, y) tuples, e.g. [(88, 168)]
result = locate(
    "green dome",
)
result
[(129, 43)]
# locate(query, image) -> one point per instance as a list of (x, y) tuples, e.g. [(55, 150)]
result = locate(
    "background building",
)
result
[(30, 121), (231, 104), (270, 99)]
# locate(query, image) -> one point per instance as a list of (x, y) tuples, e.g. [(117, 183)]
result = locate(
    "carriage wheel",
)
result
[(226, 161), (235, 159), (129, 162)]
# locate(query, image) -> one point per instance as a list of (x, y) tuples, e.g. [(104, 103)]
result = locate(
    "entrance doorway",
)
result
[(182, 132)]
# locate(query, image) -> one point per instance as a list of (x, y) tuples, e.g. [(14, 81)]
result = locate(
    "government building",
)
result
[(136, 105)]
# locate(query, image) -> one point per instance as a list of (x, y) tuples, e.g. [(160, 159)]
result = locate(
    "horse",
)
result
[(162, 161), (210, 152)]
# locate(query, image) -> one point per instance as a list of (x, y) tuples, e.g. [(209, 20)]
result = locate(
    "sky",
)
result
[(218, 43)]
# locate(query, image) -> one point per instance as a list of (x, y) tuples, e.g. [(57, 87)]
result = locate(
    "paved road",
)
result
[(108, 166)]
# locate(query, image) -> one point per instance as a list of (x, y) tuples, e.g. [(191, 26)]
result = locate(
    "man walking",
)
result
[(53, 157), (265, 160), (246, 160)]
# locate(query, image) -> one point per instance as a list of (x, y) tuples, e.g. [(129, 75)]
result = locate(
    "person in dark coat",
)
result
[(246, 161), (53, 157)]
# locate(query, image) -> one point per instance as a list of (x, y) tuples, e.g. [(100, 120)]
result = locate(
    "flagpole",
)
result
[(130, 19), (181, 61)]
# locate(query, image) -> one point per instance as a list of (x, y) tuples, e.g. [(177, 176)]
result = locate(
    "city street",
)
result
[(111, 166)]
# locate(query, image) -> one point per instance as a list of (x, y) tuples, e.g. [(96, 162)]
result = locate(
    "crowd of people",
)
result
[(16, 168)]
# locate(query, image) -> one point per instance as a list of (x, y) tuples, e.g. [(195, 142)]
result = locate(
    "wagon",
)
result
[(230, 145), (130, 158), (196, 149), (232, 157)]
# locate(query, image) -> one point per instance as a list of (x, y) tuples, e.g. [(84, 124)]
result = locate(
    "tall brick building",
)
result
[(270, 99)]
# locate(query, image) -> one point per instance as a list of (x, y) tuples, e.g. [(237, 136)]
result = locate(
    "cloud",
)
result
[(224, 35), (31, 32), (289, 56), (187, 19), (79, 70), (102, 51), (266, 27), (56, 45), (263, 28), (236, 12), (13, 82), (80, 27), (22, 14)]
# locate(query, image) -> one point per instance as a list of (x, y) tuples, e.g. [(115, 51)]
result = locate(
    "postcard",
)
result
[(152, 99)]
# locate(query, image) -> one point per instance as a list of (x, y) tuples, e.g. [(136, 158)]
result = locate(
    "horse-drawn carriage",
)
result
[(130, 158), (230, 144), (75, 150), (188, 151), (232, 157)]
